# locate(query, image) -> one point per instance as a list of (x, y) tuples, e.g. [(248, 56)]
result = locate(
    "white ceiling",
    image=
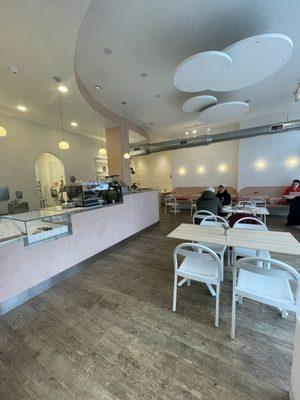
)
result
[(39, 37), (155, 36), (42, 37)]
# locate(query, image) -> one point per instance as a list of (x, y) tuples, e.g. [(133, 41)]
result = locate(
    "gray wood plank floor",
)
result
[(109, 333)]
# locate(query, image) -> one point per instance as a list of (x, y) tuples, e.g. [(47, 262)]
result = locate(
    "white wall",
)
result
[(269, 160), (205, 165), (25, 141), (153, 170), (261, 161)]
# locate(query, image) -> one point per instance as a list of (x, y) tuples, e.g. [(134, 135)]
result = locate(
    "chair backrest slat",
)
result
[(200, 214), (282, 270), (258, 225), (246, 203), (194, 250), (214, 220), (258, 201)]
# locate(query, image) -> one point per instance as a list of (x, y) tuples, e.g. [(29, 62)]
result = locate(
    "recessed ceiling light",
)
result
[(186, 133), (22, 108), (144, 75), (107, 51), (98, 87), (123, 103), (63, 89), (194, 131), (208, 129), (73, 123)]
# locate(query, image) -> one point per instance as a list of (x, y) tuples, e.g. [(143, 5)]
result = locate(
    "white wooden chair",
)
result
[(200, 264), (194, 204), (265, 285), (243, 251), (201, 214), (246, 203), (215, 220), (172, 203), (258, 201)]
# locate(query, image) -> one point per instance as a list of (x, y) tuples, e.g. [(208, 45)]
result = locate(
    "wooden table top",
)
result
[(247, 210), (199, 233), (279, 242)]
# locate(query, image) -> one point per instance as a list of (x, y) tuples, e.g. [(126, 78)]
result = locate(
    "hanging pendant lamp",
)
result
[(2, 131), (63, 144), (125, 155), (102, 151)]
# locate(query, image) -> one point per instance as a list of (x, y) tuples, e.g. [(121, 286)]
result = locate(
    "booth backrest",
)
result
[(267, 192), (197, 190)]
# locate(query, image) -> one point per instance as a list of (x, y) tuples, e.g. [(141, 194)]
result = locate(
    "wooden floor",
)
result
[(109, 333)]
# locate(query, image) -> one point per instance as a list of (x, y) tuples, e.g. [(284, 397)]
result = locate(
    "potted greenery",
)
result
[(111, 196)]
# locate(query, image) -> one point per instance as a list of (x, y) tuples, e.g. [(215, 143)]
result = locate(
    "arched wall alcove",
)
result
[(50, 178)]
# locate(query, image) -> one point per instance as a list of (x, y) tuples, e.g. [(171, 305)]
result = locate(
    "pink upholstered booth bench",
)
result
[(272, 194), (184, 195)]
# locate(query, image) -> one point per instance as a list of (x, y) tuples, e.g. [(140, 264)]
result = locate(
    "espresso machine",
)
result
[(93, 193)]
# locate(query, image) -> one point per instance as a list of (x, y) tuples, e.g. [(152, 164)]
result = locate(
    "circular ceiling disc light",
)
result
[(224, 112), (198, 103), (201, 71), (253, 60)]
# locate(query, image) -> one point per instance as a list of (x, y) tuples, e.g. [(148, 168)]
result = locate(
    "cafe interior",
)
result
[(149, 200)]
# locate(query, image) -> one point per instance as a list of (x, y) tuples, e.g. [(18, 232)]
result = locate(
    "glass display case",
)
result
[(37, 226)]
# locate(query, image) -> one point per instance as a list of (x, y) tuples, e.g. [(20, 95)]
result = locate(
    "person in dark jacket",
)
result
[(294, 213), (223, 195), (209, 202)]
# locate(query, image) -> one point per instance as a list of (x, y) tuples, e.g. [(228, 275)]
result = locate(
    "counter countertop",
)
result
[(8, 232), (83, 209)]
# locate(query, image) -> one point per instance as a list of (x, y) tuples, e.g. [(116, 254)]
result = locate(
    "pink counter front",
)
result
[(24, 268)]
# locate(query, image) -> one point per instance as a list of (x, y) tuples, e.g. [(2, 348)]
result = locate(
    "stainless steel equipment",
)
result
[(92, 193)]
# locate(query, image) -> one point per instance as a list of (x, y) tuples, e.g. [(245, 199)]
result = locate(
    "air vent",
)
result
[(204, 140), (277, 127)]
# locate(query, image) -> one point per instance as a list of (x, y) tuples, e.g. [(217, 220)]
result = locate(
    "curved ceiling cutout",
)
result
[(133, 55), (224, 112), (201, 71), (198, 103), (253, 60)]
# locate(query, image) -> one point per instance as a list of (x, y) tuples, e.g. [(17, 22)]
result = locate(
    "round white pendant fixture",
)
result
[(224, 112), (63, 145), (201, 71), (102, 151), (198, 103), (2, 131), (253, 60), (126, 156)]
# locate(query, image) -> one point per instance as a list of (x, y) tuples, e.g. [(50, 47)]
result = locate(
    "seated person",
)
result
[(294, 213), (223, 195), (295, 187), (209, 202)]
